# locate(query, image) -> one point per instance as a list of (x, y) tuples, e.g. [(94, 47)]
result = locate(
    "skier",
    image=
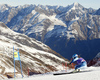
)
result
[(80, 62)]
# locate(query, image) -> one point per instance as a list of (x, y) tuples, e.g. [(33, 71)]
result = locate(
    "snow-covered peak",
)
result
[(76, 5), (4, 7), (41, 6)]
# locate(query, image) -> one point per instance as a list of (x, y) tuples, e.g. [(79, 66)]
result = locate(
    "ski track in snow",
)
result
[(92, 75)]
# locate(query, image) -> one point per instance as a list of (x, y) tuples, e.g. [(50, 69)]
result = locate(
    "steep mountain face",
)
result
[(82, 37), (36, 56), (67, 30), (97, 12), (95, 61)]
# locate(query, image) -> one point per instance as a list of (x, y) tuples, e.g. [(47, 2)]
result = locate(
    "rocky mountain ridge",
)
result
[(34, 55)]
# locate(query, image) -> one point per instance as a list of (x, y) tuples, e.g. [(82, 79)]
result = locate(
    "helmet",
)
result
[(75, 56)]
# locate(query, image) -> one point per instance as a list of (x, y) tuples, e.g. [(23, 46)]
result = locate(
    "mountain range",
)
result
[(66, 30)]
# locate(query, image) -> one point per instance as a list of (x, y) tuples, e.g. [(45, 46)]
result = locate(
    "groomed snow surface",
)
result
[(93, 74)]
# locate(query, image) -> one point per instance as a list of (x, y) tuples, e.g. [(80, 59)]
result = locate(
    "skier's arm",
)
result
[(70, 62)]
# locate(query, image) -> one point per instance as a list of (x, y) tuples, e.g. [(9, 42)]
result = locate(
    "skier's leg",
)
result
[(81, 66)]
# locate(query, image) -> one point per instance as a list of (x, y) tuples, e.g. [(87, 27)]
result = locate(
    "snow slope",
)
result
[(36, 56), (93, 75)]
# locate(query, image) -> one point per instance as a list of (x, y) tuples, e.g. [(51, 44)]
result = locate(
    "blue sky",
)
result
[(86, 3)]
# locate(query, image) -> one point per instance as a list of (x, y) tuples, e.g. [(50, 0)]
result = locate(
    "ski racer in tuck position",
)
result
[(80, 62)]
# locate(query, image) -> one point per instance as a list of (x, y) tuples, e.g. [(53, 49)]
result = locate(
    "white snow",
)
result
[(74, 5), (54, 20), (94, 74), (33, 12), (69, 35), (30, 50), (42, 17), (89, 27)]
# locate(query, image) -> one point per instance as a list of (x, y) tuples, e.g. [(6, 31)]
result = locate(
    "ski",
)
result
[(71, 72)]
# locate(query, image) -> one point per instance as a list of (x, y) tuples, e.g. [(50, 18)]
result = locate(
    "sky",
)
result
[(86, 3)]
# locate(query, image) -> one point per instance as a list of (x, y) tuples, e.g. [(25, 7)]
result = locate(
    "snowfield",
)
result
[(94, 74)]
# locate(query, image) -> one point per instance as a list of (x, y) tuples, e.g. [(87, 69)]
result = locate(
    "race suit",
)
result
[(80, 63)]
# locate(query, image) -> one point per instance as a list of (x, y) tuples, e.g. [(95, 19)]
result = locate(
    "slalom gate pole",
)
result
[(14, 62), (21, 69), (28, 71), (20, 66), (66, 66), (72, 66), (63, 65)]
